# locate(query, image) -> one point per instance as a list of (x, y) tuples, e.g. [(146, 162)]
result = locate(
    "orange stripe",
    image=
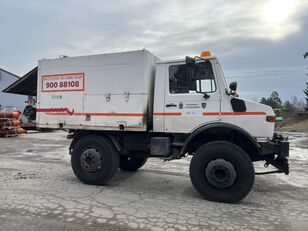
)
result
[(159, 114), (234, 113), (211, 113), (110, 114), (119, 114), (96, 114), (167, 113), (250, 113), (227, 113)]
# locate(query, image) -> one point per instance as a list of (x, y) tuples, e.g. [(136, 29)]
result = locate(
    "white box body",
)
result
[(98, 92)]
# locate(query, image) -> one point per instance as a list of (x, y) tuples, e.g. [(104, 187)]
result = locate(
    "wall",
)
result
[(6, 99)]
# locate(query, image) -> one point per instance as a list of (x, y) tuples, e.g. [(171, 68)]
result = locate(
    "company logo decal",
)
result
[(203, 105)]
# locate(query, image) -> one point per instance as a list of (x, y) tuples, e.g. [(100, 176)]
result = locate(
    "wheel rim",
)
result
[(220, 173), (91, 160)]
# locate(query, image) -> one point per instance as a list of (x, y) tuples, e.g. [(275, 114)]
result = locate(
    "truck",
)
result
[(122, 108)]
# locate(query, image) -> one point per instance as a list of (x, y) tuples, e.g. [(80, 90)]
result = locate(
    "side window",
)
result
[(178, 79), (191, 79)]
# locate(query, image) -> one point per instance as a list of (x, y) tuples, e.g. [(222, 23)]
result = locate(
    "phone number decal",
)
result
[(63, 82)]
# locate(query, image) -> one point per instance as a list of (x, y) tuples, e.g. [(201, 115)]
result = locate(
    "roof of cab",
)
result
[(180, 60)]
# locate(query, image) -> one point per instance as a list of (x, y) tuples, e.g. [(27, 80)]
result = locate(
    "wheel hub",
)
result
[(91, 160), (220, 173)]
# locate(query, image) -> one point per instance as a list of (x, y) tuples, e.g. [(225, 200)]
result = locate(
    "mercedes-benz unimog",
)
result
[(122, 108)]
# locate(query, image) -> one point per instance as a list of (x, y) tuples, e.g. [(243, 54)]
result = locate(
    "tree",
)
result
[(274, 101), (288, 106), (301, 105), (294, 102), (297, 104)]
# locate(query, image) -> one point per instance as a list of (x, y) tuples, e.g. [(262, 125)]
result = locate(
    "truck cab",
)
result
[(190, 95), (122, 108)]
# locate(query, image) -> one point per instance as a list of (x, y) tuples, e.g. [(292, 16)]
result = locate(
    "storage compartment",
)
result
[(99, 92), (160, 146)]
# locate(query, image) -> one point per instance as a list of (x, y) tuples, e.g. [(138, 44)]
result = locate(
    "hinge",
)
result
[(108, 97), (126, 95)]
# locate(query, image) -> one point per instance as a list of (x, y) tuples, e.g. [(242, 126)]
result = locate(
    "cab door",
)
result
[(192, 98)]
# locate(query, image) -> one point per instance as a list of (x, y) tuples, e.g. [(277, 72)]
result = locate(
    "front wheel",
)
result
[(222, 171)]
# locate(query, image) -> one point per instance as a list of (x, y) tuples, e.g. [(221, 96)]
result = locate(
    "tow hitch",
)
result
[(276, 152), (281, 163)]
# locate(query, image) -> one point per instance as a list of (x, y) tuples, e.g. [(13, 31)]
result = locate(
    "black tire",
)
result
[(132, 163), (108, 160), (229, 155)]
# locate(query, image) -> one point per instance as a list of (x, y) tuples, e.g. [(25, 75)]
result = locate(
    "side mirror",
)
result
[(189, 60), (233, 86)]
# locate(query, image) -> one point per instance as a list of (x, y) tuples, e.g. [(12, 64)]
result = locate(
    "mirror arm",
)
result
[(233, 93), (228, 92)]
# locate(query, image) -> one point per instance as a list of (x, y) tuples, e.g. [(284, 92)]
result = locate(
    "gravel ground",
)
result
[(38, 191)]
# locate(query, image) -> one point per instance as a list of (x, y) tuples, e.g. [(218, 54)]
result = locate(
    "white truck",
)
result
[(122, 108)]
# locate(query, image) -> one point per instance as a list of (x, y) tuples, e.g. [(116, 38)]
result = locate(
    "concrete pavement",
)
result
[(38, 191)]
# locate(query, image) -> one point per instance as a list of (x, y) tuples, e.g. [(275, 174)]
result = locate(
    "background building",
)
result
[(6, 99)]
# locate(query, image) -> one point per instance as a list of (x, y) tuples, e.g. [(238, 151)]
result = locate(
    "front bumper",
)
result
[(275, 152), (278, 145)]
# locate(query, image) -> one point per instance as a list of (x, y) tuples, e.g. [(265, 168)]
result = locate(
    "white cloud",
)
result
[(170, 28), (241, 33)]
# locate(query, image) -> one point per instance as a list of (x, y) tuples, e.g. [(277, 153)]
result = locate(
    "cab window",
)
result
[(191, 79)]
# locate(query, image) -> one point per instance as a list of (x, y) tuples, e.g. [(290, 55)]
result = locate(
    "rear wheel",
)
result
[(132, 163), (94, 160), (222, 171)]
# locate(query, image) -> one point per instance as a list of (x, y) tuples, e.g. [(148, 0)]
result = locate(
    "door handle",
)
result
[(171, 105), (206, 96)]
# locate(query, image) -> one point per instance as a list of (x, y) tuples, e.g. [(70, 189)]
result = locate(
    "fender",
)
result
[(81, 133), (206, 127)]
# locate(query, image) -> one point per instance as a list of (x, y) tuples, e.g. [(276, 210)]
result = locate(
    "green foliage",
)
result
[(274, 101), (288, 106)]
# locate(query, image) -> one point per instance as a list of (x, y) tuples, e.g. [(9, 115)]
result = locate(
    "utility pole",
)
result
[(306, 89), (305, 56)]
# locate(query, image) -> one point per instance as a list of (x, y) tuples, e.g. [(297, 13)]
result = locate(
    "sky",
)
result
[(260, 43)]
